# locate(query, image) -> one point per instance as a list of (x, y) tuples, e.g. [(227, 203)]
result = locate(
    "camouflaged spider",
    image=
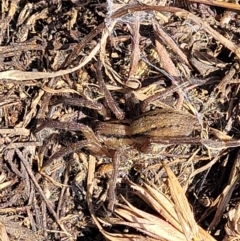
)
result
[(164, 126)]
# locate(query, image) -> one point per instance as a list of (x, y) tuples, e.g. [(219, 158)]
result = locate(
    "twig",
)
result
[(30, 173)]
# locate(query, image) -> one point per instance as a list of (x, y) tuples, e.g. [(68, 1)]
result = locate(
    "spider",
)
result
[(164, 126)]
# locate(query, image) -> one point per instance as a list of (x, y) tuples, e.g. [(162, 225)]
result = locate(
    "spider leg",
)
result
[(71, 126), (91, 143), (92, 146)]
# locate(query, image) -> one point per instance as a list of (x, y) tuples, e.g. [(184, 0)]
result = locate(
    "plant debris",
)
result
[(119, 120)]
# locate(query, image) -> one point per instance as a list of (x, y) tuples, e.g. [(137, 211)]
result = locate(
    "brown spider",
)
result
[(165, 126), (160, 125)]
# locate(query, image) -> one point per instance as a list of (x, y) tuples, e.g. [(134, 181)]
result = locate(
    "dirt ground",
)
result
[(119, 120)]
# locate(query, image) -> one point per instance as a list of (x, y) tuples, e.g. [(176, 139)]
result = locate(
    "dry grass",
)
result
[(70, 72)]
